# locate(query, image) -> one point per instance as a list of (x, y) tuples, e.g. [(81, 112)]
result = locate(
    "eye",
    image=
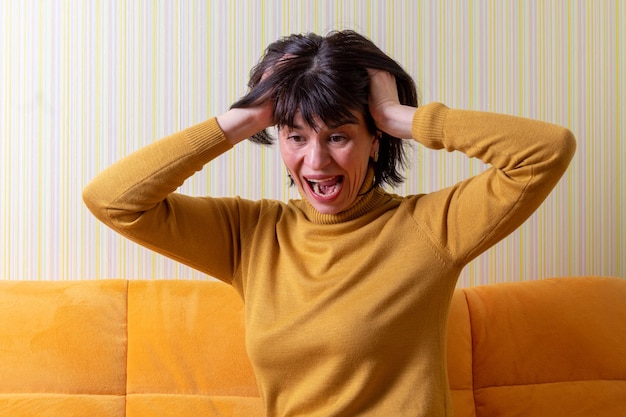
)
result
[(337, 138), (295, 138)]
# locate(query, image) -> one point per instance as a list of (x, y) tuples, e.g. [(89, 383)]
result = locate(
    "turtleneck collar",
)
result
[(368, 197)]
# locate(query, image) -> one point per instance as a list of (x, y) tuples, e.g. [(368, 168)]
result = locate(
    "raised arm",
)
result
[(136, 195), (527, 159)]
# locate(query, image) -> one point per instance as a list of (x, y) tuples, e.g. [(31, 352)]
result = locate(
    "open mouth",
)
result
[(325, 188)]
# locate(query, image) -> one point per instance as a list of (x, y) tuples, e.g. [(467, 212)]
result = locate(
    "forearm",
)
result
[(511, 144), (138, 182), (396, 120), (143, 179)]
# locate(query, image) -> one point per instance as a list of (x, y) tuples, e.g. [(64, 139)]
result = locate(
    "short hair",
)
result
[(326, 78)]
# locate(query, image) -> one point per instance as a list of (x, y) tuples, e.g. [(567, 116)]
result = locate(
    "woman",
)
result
[(346, 291)]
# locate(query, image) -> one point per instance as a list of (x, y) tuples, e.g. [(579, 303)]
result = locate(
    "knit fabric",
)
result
[(345, 314)]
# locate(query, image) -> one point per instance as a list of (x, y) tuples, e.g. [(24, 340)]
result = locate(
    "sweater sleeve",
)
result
[(136, 197), (527, 159)]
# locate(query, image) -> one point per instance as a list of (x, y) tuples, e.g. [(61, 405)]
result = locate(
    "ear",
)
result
[(375, 146)]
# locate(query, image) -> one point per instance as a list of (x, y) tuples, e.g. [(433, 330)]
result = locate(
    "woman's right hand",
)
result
[(241, 123)]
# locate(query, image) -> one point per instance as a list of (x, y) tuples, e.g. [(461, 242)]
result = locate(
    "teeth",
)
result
[(317, 189), (324, 190), (322, 180)]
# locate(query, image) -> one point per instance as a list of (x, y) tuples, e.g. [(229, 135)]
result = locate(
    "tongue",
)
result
[(326, 187), (329, 183)]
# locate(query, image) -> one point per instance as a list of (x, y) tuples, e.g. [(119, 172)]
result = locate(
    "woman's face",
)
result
[(328, 164)]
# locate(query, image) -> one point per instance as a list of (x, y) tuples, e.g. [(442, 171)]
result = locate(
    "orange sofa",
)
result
[(111, 348)]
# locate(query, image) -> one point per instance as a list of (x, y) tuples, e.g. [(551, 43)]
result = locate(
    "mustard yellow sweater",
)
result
[(346, 314)]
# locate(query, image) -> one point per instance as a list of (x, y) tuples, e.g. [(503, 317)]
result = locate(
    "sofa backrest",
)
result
[(176, 348), (186, 351), (62, 348), (554, 347), (110, 348)]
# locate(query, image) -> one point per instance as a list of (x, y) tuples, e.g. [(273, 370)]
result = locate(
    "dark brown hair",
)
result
[(326, 77)]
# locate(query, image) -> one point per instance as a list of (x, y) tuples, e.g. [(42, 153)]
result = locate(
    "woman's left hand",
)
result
[(389, 114)]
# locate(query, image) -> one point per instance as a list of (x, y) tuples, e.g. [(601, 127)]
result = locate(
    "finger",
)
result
[(372, 72), (282, 61)]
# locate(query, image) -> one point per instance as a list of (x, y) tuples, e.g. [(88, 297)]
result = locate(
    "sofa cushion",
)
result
[(62, 348), (187, 337), (550, 347), (595, 398)]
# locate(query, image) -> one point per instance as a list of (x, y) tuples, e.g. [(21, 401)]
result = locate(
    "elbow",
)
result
[(564, 147), (88, 199), (94, 202), (568, 143)]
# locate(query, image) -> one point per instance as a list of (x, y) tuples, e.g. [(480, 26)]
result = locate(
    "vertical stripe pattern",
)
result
[(83, 83)]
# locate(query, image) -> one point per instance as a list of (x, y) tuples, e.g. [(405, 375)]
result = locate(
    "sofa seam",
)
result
[(471, 325), (553, 382), (126, 350)]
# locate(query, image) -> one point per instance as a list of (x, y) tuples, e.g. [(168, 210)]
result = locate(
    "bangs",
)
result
[(317, 99), (325, 81)]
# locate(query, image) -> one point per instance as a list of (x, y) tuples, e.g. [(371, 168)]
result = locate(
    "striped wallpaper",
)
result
[(83, 83)]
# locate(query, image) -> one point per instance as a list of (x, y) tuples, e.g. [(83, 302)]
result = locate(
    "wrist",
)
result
[(241, 123), (396, 120)]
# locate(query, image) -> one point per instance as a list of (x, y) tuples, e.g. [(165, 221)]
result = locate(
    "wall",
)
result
[(83, 83)]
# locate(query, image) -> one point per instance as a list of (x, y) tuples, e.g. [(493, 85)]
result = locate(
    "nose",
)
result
[(317, 156)]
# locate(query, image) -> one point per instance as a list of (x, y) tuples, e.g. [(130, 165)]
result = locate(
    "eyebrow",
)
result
[(333, 126), (347, 122)]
